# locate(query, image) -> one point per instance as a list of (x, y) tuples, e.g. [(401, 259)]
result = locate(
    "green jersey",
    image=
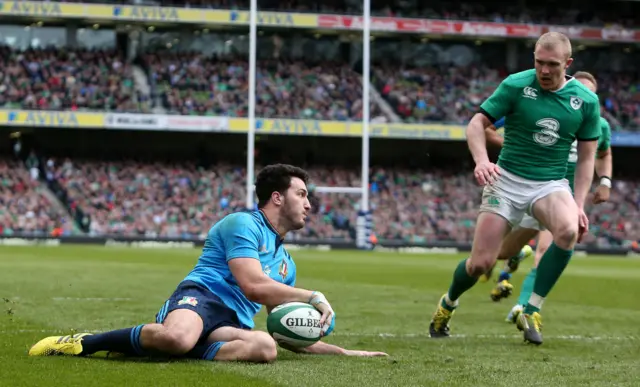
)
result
[(541, 125), (604, 143)]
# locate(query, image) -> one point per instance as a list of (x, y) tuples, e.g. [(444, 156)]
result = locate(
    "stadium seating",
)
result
[(129, 198), (193, 84), (24, 206)]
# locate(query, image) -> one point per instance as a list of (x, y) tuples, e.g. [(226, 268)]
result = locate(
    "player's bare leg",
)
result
[(233, 344), (558, 212), (544, 241), (177, 335), (514, 249), (490, 230)]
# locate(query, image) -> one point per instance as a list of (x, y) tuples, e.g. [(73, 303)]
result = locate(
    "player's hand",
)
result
[(319, 301), (486, 173), (583, 224), (602, 194), (350, 352)]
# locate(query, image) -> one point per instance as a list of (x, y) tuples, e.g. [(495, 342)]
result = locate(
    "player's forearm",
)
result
[(493, 138), (477, 140), (318, 348), (583, 178), (604, 164), (271, 293)]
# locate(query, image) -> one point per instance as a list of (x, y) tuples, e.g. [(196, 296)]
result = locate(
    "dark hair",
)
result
[(276, 178), (587, 76)]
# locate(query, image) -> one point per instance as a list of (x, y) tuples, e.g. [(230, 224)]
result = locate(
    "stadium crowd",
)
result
[(129, 198), (193, 84), (24, 206)]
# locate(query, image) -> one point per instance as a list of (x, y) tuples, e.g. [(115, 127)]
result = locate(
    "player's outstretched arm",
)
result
[(584, 170), (604, 169), (260, 288), (320, 348), (491, 132), (604, 164), (493, 138), (241, 237), (476, 137), (485, 172)]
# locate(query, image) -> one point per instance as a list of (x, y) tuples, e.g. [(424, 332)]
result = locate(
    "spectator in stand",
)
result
[(24, 206), (182, 201)]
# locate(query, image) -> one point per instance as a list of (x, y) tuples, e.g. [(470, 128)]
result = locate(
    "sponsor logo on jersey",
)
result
[(188, 300), (548, 135), (575, 102), (530, 92)]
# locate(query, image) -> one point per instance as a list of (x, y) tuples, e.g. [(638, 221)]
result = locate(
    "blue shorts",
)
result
[(193, 296)]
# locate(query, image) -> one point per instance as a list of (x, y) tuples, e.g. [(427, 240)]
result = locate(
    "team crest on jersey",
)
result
[(530, 92), (575, 102), (189, 301), (284, 269), (492, 201)]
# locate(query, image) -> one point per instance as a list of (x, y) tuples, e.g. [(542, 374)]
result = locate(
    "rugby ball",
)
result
[(296, 324)]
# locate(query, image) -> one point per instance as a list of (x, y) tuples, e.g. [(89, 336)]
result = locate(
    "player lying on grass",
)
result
[(529, 228), (545, 112), (243, 266)]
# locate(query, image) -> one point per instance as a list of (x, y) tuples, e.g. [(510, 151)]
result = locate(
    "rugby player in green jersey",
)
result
[(545, 112), (515, 245)]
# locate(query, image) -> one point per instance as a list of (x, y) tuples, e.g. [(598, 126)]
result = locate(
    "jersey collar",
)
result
[(270, 225)]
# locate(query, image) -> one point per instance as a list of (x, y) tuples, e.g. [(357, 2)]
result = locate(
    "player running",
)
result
[(243, 266), (529, 227), (545, 112)]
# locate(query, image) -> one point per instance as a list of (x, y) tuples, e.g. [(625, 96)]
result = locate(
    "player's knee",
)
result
[(478, 267), (263, 348), (566, 236), (176, 342)]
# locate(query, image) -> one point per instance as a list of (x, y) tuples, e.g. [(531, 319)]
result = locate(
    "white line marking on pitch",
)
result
[(462, 336), (90, 299), (381, 335), (81, 299)]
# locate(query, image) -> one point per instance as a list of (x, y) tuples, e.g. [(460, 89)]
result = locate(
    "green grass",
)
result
[(383, 302)]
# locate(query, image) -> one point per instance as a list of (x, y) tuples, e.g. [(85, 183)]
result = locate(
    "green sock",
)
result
[(551, 266), (462, 282), (527, 287)]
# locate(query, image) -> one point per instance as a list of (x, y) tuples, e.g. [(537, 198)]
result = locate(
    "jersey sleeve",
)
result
[(590, 129), (241, 237), (500, 103), (605, 138)]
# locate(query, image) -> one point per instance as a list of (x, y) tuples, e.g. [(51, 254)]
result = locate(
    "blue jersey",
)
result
[(241, 235), (499, 124)]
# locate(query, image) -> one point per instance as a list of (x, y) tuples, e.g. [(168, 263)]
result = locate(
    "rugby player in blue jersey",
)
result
[(243, 266)]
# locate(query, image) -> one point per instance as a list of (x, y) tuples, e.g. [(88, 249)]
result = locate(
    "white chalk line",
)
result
[(108, 299), (375, 335), (494, 336), (90, 299)]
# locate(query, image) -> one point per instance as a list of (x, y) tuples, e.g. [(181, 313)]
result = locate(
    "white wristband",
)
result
[(605, 181)]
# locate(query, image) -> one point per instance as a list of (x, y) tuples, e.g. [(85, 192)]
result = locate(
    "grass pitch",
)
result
[(383, 301)]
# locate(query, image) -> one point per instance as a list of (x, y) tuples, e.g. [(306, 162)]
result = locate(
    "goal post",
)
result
[(364, 220)]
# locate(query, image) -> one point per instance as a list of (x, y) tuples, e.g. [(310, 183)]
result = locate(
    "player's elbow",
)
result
[(604, 154), (478, 124), (255, 291)]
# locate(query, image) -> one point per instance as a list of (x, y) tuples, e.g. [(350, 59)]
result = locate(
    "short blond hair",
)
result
[(551, 40), (588, 76)]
